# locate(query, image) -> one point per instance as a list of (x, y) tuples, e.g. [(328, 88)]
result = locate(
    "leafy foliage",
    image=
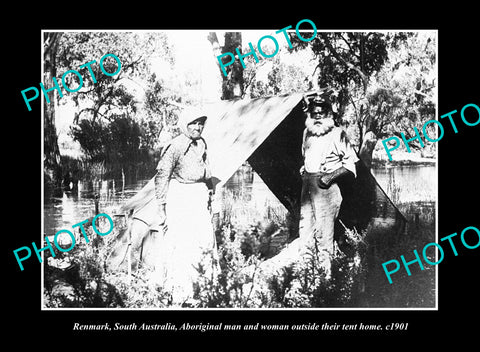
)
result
[(82, 283), (118, 141), (304, 283), (357, 278), (384, 82), (110, 122), (282, 78)]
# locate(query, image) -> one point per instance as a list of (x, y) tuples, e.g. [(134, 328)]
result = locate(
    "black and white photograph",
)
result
[(218, 170), (238, 169)]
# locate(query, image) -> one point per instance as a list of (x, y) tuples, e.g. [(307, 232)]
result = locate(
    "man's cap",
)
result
[(321, 98)]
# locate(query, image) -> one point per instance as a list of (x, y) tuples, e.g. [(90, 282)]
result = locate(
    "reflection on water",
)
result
[(413, 189), (244, 195), (407, 184), (73, 207)]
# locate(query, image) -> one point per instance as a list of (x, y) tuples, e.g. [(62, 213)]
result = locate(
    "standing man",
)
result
[(328, 156)]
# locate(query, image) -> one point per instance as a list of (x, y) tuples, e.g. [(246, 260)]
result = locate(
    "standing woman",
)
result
[(183, 191)]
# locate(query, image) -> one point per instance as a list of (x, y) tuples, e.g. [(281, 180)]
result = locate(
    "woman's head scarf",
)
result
[(187, 116)]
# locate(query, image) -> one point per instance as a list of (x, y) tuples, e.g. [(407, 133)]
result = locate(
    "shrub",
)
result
[(118, 141), (232, 286), (304, 283), (239, 282), (301, 284)]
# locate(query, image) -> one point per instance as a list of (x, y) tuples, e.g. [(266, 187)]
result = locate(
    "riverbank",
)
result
[(402, 158), (358, 279), (406, 162), (255, 225)]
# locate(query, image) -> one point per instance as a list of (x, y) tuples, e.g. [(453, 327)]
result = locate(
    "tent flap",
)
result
[(236, 128)]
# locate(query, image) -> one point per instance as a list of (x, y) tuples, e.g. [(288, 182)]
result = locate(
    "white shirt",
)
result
[(329, 152)]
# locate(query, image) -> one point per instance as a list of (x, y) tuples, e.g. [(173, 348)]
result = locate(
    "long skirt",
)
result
[(188, 253)]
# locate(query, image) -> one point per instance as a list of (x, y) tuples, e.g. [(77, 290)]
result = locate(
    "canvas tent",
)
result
[(267, 132)]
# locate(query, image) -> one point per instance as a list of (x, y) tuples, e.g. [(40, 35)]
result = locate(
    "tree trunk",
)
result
[(51, 157), (367, 147), (232, 84)]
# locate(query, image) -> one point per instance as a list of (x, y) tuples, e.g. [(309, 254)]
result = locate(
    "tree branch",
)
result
[(84, 110), (351, 66), (349, 46)]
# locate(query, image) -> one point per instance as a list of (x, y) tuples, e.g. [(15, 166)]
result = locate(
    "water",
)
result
[(407, 184), (413, 189), (244, 197), (73, 207)]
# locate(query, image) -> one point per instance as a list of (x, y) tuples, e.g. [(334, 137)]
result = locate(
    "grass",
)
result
[(417, 290), (247, 234), (357, 279)]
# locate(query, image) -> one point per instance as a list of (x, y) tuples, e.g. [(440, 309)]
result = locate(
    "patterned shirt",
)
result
[(329, 152), (186, 161)]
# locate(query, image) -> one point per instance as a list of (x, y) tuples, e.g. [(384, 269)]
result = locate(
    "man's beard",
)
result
[(319, 127)]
